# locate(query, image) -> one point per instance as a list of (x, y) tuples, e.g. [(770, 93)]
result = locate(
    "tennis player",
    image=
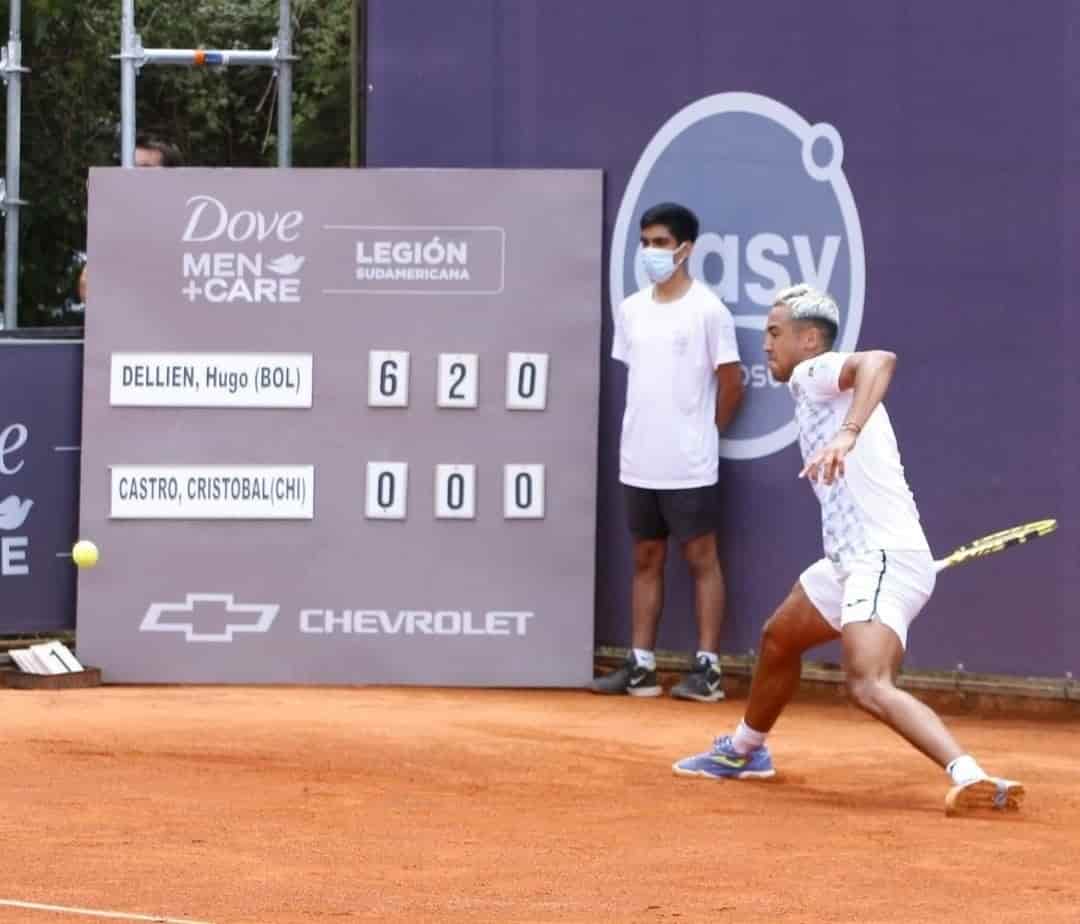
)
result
[(877, 573)]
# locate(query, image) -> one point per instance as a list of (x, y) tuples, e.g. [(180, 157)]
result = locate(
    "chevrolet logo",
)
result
[(232, 617)]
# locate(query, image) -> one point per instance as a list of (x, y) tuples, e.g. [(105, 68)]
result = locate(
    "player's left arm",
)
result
[(869, 374), (729, 393)]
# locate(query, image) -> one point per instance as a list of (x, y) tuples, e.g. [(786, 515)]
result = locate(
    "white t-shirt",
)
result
[(672, 349), (871, 507)]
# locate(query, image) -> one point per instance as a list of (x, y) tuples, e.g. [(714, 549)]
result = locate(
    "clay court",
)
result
[(304, 806)]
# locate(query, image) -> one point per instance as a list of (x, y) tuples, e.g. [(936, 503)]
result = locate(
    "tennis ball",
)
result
[(84, 553)]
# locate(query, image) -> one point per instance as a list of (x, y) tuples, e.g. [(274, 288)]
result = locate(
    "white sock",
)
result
[(645, 659), (711, 656), (965, 770), (746, 739)]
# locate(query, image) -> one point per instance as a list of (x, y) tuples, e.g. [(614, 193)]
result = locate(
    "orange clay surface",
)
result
[(275, 805)]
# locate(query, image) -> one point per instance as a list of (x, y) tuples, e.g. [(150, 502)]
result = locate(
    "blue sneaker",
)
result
[(723, 762)]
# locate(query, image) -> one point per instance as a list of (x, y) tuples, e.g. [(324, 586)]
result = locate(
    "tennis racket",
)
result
[(995, 542)]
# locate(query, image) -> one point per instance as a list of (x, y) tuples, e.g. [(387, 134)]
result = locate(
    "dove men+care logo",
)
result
[(240, 256), (14, 510), (775, 210)]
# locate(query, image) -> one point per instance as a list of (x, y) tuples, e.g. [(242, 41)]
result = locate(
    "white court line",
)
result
[(67, 448), (115, 915)]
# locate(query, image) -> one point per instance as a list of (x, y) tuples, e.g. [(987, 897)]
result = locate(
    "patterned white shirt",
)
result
[(871, 507)]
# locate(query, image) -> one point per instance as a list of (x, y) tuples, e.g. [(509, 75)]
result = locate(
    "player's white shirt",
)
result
[(871, 507), (669, 437)]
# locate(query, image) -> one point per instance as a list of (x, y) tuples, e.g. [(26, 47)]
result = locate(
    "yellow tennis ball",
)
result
[(84, 553)]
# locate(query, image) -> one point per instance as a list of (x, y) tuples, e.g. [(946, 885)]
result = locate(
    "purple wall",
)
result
[(954, 123), (1069, 211)]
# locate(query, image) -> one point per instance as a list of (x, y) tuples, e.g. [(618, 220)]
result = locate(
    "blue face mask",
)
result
[(659, 264)]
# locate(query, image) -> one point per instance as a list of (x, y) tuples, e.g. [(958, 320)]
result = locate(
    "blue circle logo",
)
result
[(775, 210)]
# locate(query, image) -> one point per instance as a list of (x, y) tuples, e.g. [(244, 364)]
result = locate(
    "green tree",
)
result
[(71, 111)]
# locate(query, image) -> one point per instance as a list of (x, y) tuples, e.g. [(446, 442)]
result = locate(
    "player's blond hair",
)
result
[(809, 304)]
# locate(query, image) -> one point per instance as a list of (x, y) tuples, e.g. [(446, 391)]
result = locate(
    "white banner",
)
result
[(212, 492), (210, 380)]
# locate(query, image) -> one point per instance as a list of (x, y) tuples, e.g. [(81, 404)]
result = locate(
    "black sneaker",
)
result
[(704, 683), (631, 678)]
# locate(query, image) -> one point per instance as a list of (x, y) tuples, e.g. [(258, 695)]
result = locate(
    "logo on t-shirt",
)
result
[(776, 210)]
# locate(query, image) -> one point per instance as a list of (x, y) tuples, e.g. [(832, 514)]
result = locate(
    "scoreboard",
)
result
[(340, 426)]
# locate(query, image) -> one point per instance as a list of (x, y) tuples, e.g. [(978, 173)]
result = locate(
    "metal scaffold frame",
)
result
[(133, 57), (10, 202)]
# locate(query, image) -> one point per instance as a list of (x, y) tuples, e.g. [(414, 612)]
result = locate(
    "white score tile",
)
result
[(523, 492), (526, 381), (455, 492), (457, 379), (388, 378), (387, 490)]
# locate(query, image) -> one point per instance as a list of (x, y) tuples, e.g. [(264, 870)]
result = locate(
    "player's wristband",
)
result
[(853, 427)]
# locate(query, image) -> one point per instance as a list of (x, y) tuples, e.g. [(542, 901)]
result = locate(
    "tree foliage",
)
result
[(218, 117)]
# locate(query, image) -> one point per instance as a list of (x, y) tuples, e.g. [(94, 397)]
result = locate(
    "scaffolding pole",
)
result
[(10, 201), (129, 63), (284, 78), (133, 57)]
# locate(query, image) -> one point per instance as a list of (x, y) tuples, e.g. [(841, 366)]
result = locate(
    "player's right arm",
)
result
[(869, 374)]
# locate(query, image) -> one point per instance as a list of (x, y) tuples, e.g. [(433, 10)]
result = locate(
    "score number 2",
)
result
[(457, 379)]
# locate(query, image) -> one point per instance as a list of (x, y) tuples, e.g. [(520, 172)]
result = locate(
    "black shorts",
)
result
[(684, 513)]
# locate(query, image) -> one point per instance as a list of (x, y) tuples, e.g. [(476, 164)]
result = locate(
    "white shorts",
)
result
[(890, 587)]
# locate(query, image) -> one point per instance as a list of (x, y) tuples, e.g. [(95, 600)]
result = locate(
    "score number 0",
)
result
[(526, 381)]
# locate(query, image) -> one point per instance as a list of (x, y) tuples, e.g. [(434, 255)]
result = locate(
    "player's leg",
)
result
[(692, 515), (797, 626), (650, 534), (873, 654), (882, 599)]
